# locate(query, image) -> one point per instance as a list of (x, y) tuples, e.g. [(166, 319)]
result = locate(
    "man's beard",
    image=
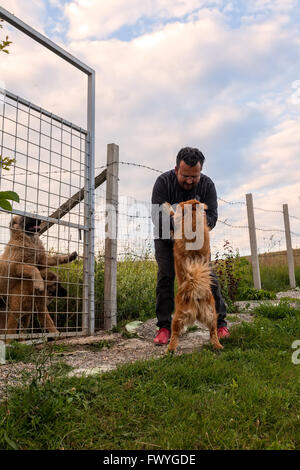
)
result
[(188, 187)]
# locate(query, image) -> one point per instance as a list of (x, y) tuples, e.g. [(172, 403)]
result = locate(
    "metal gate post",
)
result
[(91, 199)]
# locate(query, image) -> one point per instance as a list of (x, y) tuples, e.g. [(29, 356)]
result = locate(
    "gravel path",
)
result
[(294, 293)]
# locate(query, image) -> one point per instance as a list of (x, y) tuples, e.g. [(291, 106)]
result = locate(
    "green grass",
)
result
[(99, 345), (192, 328), (135, 289), (16, 352), (275, 312), (273, 278), (246, 397)]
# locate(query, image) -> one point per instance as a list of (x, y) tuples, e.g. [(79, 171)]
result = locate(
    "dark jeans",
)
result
[(165, 286)]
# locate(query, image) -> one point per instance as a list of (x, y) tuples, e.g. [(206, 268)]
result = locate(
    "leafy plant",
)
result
[(6, 162), (5, 196), (250, 293), (4, 43), (227, 268)]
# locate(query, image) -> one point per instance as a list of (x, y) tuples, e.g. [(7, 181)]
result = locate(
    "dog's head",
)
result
[(190, 225), (189, 212), (26, 224)]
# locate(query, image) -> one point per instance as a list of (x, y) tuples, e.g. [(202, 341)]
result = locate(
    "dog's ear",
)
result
[(195, 203), (17, 222)]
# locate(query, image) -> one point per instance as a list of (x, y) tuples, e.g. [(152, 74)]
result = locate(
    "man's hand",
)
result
[(167, 208)]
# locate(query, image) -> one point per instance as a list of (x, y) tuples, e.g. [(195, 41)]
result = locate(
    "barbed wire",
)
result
[(256, 208), (139, 165), (231, 202), (225, 222)]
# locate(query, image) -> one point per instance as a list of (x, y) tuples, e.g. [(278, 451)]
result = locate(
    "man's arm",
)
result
[(212, 205), (159, 197)]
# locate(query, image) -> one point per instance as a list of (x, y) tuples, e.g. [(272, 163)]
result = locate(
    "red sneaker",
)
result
[(223, 332), (162, 336)]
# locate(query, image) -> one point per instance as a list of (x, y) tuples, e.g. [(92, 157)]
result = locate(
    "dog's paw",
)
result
[(169, 351), (218, 346), (39, 286), (73, 256)]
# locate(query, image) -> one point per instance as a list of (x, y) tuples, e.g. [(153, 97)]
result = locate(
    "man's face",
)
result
[(188, 176)]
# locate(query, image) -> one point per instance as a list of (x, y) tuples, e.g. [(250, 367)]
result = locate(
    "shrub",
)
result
[(229, 269), (249, 293)]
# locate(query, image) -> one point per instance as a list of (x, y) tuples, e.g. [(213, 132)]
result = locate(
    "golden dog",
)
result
[(194, 299)]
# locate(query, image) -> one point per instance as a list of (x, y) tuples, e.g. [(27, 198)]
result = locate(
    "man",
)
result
[(182, 184)]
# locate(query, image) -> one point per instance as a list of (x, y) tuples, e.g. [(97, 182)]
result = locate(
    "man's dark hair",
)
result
[(190, 156)]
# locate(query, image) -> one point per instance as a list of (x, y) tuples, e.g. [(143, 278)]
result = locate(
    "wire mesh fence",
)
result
[(50, 167)]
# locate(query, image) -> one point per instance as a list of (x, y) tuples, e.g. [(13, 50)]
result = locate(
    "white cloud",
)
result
[(34, 13), (273, 181), (274, 5), (276, 157), (38, 75), (168, 89), (98, 19), (191, 83)]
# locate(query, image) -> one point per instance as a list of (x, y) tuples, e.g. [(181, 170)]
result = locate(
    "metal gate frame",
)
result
[(88, 325)]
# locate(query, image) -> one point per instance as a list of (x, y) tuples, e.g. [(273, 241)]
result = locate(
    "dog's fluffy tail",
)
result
[(196, 285)]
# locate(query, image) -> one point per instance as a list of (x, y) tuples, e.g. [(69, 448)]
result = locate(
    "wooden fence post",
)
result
[(289, 249), (253, 242), (110, 262)]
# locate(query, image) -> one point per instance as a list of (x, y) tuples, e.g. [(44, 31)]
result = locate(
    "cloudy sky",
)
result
[(223, 76)]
